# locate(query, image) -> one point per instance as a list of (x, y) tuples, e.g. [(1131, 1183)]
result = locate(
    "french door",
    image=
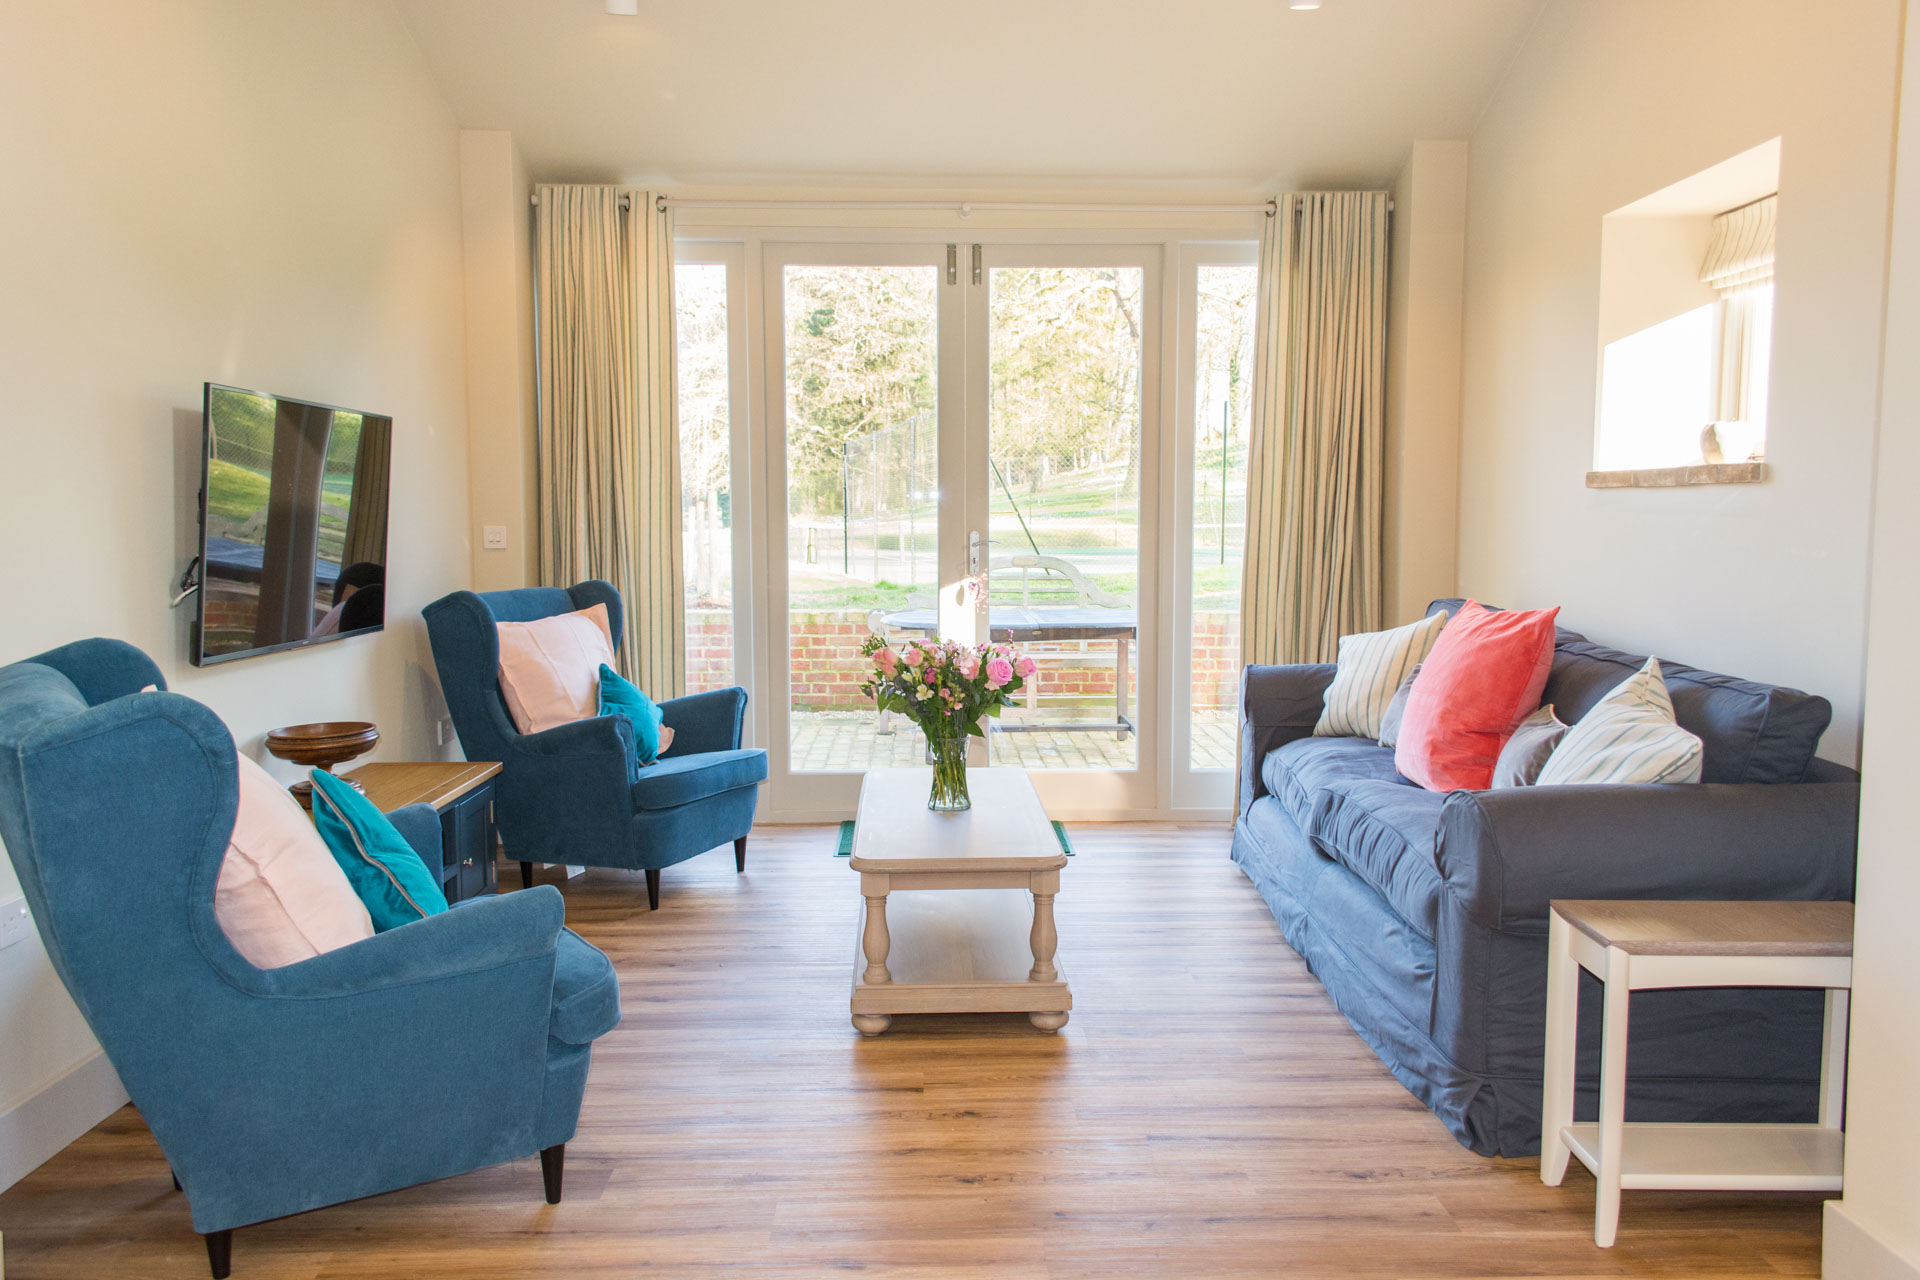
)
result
[(943, 410)]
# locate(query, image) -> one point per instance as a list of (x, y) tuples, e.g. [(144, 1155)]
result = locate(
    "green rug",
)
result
[(846, 840)]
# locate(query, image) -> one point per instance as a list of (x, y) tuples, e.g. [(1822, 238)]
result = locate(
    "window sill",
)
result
[(1681, 477)]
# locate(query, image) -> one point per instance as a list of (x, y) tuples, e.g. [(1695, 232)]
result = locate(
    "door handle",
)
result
[(976, 545)]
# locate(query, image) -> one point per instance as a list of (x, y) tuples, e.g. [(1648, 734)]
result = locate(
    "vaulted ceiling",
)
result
[(1199, 94)]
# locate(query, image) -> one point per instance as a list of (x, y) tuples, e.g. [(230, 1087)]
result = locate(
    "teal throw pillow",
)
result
[(622, 697), (381, 866)]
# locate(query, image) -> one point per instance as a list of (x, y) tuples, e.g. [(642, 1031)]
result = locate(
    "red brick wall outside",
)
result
[(710, 650), (827, 667)]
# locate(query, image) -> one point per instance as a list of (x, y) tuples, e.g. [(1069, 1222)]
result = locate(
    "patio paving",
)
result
[(850, 741)]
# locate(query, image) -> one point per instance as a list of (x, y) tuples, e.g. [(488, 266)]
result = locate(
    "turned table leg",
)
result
[(876, 941), (1045, 939)]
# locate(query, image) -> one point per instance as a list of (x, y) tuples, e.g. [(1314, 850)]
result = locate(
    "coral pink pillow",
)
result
[(1483, 677), (550, 668), (281, 897)]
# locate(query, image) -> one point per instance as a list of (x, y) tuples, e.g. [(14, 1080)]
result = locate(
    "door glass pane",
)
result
[(1064, 458), (1222, 415), (862, 497), (706, 472)]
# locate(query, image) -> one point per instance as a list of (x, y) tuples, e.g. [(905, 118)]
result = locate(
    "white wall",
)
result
[(497, 223), (1421, 533), (1873, 1232), (259, 194), (1606, 102)]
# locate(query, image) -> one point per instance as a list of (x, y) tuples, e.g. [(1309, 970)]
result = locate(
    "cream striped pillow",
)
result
[(1370, 669), (1629, 736)]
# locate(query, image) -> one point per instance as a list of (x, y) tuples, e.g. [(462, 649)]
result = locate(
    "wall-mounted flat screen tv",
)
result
[(293, 524)]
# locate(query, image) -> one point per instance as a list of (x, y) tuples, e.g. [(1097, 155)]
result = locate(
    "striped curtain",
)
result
[(609, 448), (1315, 478)]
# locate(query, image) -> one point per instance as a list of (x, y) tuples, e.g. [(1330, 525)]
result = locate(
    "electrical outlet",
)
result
[(15, 924), (494, 537), (442, 730)]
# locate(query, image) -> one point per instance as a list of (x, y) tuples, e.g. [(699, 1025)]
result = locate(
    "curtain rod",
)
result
[(962, 207)]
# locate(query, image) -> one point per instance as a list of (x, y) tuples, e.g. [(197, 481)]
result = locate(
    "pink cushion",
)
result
[(281, 897), (1483, 677), (550, 668)]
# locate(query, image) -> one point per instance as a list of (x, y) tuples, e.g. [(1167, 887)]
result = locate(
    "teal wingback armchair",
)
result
[(275, 1091), (574, 794)]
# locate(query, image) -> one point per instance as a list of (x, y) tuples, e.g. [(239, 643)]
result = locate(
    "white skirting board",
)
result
[(1849, 1251), (37, 1129)]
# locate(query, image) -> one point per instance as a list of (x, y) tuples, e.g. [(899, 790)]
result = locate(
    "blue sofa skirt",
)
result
[(1461, 1021)]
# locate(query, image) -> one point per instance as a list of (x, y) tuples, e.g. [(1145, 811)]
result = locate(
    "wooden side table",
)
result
[(462, 792), (1640, 945)]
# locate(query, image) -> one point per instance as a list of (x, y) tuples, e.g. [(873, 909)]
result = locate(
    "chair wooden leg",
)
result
[(740, 854), (553, 1164), (220, 1253), (526, 875), (653, 889)]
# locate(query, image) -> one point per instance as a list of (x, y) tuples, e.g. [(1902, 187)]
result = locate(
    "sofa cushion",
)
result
[(586, 994), (1628, 737), (550, 667), (1750, 732), (1296, 772), (1385, 833), (384, 869), (1481, 680), (678, 780), (281, 898)]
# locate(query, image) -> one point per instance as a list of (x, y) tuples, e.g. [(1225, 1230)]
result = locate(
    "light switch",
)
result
[(495, 537)]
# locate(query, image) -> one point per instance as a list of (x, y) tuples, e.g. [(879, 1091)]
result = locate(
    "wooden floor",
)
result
[(1207, 1112)]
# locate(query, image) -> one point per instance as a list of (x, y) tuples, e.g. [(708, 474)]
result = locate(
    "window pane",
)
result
[(706, 472), (1222, 416), (1064, 463), (863, 463)]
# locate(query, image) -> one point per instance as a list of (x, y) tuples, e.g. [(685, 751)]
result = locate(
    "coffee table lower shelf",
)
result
[(957, 951)]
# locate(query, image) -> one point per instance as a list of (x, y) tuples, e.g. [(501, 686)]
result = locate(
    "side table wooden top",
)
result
[(1682, 928), (397, 784)]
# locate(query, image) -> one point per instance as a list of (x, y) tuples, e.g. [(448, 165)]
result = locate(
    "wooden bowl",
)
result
[(322, 745)]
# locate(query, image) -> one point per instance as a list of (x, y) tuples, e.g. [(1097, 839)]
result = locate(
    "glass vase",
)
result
[(948, 756)]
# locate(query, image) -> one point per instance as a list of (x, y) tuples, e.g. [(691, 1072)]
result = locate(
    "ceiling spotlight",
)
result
[(631, 8), (1291, 4)]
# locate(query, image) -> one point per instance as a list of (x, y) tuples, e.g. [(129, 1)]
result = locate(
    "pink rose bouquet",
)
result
[(945, 688)]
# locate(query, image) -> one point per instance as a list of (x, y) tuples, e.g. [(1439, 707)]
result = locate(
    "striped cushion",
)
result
[(1628, 736), (1371, 667)]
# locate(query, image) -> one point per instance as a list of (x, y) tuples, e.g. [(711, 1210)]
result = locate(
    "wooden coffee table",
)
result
[(977, 946)]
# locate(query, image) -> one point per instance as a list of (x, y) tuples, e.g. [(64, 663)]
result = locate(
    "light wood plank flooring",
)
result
[(1207, 1112)]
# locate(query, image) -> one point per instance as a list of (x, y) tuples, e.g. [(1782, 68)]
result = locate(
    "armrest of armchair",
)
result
[(420, 824), (489, 933), (1277, 705), (1507, 854), (706, 721), (568, 788)]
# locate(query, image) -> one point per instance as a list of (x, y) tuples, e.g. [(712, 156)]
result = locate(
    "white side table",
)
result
[(1640, 945)]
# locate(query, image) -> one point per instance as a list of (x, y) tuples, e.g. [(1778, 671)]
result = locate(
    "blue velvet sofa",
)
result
[(575, 794), (275, 1091), (1425, 915)]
